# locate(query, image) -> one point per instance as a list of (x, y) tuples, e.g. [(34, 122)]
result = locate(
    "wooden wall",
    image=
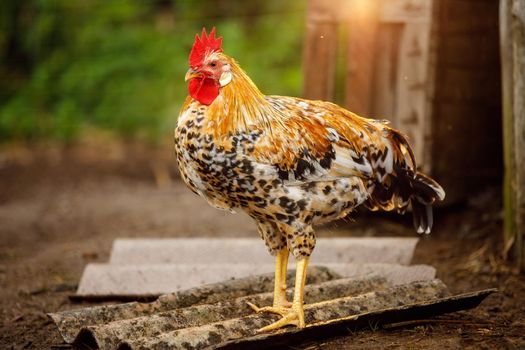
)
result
[(466, 118), (382, 49), (432, 67)]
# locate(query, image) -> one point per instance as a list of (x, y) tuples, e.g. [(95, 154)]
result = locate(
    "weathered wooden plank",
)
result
[(334, 11), (509, 195), (512, 29), (319, 59), (320, 48), (411, 115), (406, 11), (385, 75), (361, 56), (432, 61), (518, 13)]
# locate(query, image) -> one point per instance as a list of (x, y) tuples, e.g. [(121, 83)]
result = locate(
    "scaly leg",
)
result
[(279, 291), (295, 314)]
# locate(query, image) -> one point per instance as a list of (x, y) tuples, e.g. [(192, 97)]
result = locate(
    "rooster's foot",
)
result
[(291, 316)]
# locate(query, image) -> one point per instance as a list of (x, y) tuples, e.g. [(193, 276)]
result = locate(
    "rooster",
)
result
[(289, 163)]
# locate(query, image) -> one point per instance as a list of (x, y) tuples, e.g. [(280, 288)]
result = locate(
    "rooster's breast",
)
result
[(220, 169)]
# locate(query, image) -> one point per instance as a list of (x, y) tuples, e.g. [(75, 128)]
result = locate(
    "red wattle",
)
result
[(204, 90)]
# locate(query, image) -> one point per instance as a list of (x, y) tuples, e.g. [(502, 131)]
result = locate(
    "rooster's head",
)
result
[(209, 68)]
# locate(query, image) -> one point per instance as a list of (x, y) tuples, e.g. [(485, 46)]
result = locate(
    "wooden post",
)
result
[(320, 51), (362, 32), (512, 30), (411, 114)]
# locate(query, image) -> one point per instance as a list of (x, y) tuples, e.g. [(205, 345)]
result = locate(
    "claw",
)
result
[(253, 306), (291, 317), (280, 310)]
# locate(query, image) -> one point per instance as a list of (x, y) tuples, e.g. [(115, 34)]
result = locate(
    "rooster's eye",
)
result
[(213, 64)]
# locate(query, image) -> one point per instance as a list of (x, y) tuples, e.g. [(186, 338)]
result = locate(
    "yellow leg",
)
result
[(294, 315), (279, 291)]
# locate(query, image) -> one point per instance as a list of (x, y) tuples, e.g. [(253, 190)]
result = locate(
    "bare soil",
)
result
[(62, 208)]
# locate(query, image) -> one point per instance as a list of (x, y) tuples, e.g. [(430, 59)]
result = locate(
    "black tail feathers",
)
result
[(425, 192)]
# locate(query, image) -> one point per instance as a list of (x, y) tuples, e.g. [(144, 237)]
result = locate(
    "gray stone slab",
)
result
[(156, 279), (392, 250)]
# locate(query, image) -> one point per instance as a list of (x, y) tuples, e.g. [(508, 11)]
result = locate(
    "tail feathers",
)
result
[(404, 186), (427, 189), (423, 217), (425, 192)]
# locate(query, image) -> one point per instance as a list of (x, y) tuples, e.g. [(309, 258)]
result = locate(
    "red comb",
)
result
[(203, 46)]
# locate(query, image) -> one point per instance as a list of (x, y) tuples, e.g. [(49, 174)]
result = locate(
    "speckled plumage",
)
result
[(292, 163), (289, 163)]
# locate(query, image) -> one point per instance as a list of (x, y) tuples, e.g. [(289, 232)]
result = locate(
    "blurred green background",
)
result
[(71, 66)]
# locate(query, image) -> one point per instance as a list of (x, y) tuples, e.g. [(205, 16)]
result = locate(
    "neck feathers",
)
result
[(240, 105)]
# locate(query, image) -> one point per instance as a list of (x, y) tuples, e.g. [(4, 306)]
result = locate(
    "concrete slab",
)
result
[(156, 279), (392, 250)]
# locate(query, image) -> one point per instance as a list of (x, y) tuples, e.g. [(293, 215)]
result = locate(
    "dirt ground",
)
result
[(61, 209)]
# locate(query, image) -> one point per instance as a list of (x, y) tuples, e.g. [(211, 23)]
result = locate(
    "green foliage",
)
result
[(120, 65)]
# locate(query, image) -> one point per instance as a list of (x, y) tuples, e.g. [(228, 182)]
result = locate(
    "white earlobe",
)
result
[(225, 78)]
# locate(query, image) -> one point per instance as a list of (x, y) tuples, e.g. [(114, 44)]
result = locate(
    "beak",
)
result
[(192, 73)]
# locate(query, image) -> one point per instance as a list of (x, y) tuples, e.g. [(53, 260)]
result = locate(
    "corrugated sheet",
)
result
[(217, 315)]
